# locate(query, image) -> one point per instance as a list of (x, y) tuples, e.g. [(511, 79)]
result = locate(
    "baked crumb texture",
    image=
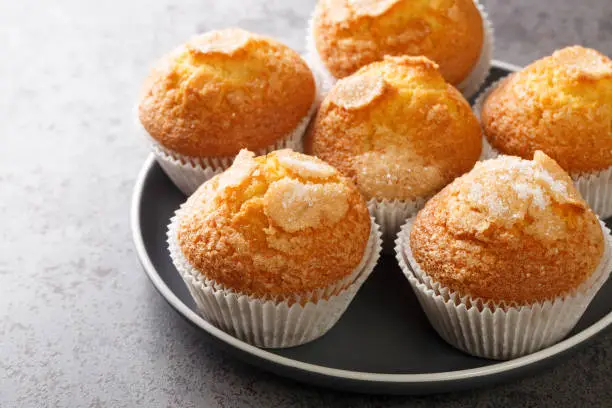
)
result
[(397, 129), (561, 104), (350, 34), (275, 226), (226, 90), (511, 230)]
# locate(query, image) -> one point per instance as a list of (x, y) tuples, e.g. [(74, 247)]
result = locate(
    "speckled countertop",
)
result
[(80, 324)]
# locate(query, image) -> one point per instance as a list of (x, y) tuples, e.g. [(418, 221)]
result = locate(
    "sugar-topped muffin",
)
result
[(511, 230), (561, 104), (275, 248), (397, 129), (218, 93), (351, 34), (275, 226), (226, 90), (507, 258)]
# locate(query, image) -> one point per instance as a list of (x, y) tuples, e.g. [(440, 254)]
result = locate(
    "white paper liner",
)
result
[(325, 78), (188, 172), (492, 331), (468, 87), (595, 188), (390, 215), (273, 323)]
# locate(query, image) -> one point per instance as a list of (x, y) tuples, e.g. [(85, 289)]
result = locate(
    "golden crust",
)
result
[(511, 230), (396, 129), (275, 226), (561, 105), (226, 90), (351, 34)]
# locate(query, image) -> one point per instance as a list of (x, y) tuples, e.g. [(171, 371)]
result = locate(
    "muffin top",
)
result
[(397, 129), (349, 34), (225, 90), (511, 230), (561, 104), (275, 226)]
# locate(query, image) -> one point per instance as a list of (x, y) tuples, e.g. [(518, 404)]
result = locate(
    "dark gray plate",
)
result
[(382, 344)]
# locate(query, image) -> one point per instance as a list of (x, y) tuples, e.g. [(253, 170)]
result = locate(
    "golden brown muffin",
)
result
[(225, 90), (350, 34), (397, 129), (275, 226), (510, 230), (561, 105)]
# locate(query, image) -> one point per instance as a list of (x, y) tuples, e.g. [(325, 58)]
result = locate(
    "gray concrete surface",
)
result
[(80, 325)]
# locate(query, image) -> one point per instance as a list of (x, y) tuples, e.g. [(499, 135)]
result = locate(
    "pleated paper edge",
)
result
[(390, 215)]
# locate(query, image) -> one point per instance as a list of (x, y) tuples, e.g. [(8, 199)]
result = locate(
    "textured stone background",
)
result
[(80, 325)]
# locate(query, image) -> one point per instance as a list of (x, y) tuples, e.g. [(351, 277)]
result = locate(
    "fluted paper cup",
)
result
[(390, 215), (274, 323), (596, 189), (498, 331)]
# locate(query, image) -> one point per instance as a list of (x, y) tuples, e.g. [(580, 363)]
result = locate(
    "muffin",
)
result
[(275, 248), (399, 131), (346, 35), (562, 105), (506, 259), (218, 93)]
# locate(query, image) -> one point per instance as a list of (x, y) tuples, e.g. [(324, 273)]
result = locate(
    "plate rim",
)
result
[(496, 368)]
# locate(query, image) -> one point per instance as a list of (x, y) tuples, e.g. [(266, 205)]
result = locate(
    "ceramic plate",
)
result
[(382, 344)]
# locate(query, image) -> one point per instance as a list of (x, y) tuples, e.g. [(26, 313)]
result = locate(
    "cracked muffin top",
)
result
[(350, 34), (397, 129), (511, 230), (275, 226), (226, 90), (561, 104)]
